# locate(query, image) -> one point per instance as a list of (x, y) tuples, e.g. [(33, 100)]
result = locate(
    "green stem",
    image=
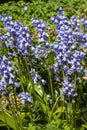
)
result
[(14, 102), (55, 103), (74, 121), (50, 84), (63, 75), (14, 114), (21, 75), (75, 81), (4, 116), (66, 116)]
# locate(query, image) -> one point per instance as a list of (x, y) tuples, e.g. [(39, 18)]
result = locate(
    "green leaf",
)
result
[(2, 124), (59, 110), (7, 118), (31, 127)]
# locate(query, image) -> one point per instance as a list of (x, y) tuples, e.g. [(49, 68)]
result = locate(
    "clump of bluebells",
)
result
[(36, 77), (25, 97), (67, 49), (40, 27), (17, 36), (43, 64), (68, 88), (8, 80)]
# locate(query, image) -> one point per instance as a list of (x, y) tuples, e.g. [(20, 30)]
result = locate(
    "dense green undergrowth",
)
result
[(42, 9)]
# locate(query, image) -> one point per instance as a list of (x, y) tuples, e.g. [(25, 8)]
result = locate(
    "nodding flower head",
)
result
[(68, 89), (25, 97), (41, 27), (8, 79), (25, 7), (17, 36)]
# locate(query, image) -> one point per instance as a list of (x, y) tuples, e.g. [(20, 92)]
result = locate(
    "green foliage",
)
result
[(41, 9), (7, 118)]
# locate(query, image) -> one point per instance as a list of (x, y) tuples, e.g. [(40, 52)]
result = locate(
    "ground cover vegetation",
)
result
[(43, 65)]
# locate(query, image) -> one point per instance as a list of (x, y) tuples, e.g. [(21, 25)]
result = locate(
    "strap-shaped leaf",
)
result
[(7, 118)]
